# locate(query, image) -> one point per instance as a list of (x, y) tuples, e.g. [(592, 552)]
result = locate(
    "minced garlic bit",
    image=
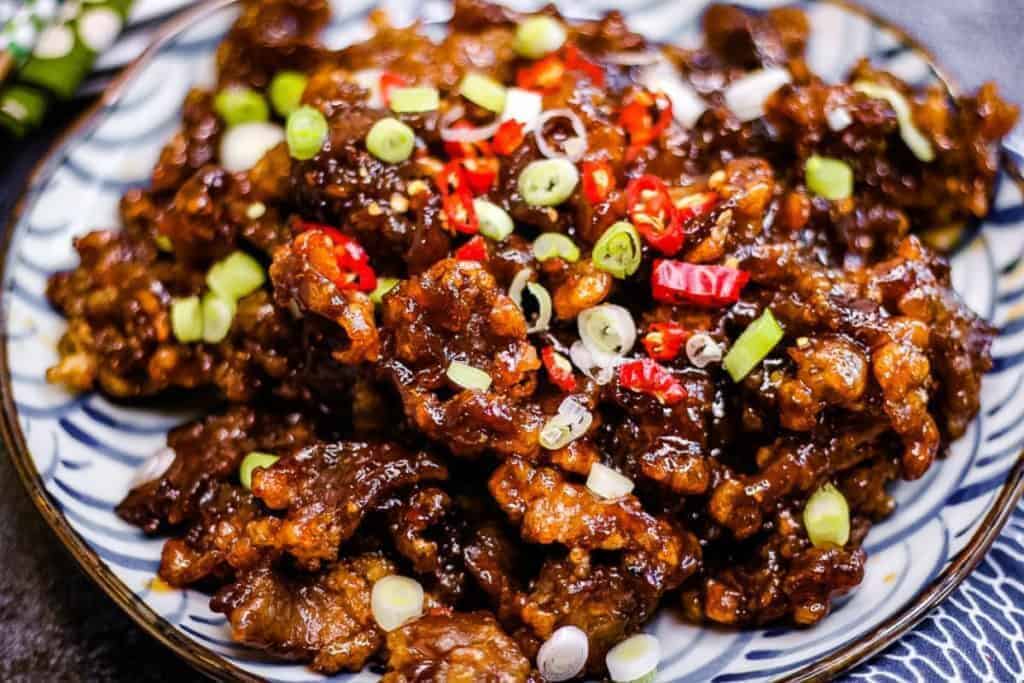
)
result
[(255, 210), (374, 209), (399, 202), (418, 187)]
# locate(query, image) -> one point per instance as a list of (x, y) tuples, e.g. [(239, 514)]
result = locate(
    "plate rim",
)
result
[(218, 667)]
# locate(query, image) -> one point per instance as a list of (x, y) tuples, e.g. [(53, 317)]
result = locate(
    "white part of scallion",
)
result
[(242, 146), (563, 655), (608, 331), (468, 377), (396, 600), (633, 658), (606, 483), (152, 468), (827, 517), (570, 423), (746, 96)]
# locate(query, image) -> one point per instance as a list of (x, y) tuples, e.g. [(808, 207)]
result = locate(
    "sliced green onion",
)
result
[(548, 182), (240, 105), (606, 483), (187, 319), (911, 134), (522, 282), (414, 100), (286, 91), (827, 517), (384, 285), (483, 91), (468, 377), (543, 298), (563, 655), (538, 36), (607, 330), (829, 178), (753, 345), (236, 276), (555, 245), (218, 312), (391, 140), (495, 223), (619, 250), (306, 132), (570, 423), (633, 659), (395, 600), (252, 462)]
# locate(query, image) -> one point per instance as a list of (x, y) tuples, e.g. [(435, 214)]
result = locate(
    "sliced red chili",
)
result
[(457, 198), (509, 136), (645, 117), (559, 369), (473, 250), (480, 173), (645, 376), (651, 210), (575, 61), (546, 74), (389, 80), (467, 150), (677, 282), (696, 205), (598, 181), (664, 340), (348, 265)]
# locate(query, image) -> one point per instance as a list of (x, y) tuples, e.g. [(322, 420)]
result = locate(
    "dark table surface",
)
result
[(56, 625)]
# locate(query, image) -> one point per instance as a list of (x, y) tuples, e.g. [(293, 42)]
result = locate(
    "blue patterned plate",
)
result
[(77, 453)]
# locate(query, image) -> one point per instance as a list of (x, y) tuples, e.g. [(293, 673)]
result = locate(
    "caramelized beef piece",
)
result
[(455, 312), (194, 146), (305, 276), (606, 602), (552, 510), (208, 451), (119, 336), (427, 530), (327, 489), (215, 545), (454, 647), (323, 618), (783, 575), (271, 36)]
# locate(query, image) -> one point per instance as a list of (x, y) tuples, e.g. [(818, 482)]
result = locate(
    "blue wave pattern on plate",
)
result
[(85, 448)]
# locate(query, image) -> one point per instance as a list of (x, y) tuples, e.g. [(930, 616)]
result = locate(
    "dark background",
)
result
[(56, 625)]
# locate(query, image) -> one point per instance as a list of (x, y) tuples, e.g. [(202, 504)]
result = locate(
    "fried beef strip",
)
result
[(325, 490), (209, 451), (323, 618), (455, 647)]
